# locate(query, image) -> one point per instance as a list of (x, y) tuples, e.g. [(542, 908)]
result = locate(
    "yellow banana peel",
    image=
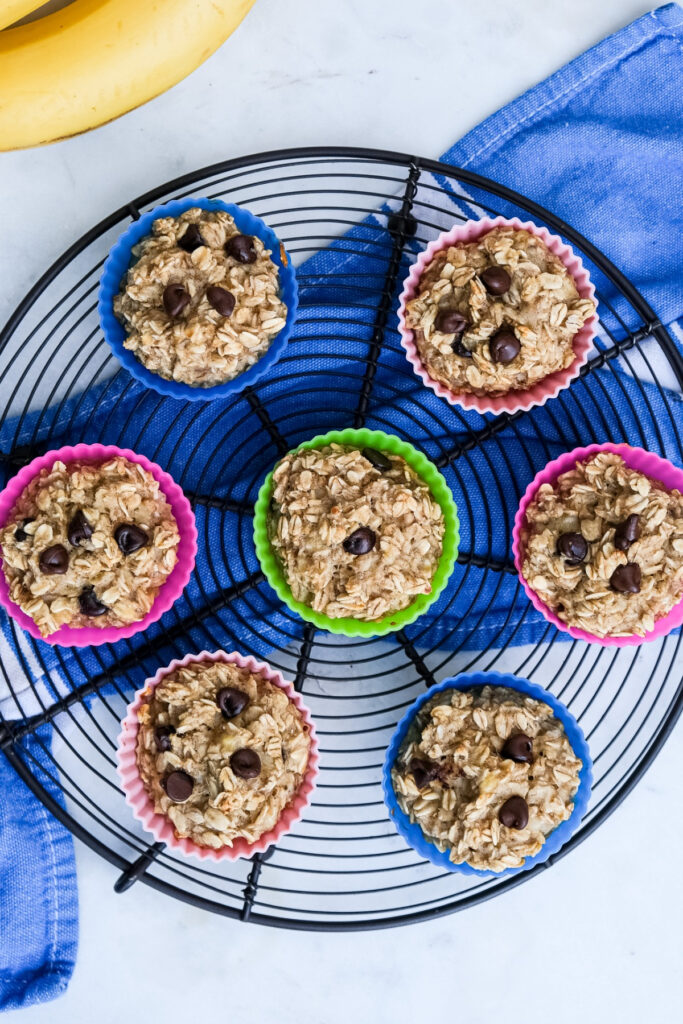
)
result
[(13, 10), (96, 59)]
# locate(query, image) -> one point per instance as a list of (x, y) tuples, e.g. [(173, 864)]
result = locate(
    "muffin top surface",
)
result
[(89, 544), (201, 303), (487, 773), (357, 532), (497, 314), (603, 547), (221, 752)]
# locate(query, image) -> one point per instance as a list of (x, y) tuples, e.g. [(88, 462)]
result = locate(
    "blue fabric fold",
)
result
[(599, 143), (38, 894)]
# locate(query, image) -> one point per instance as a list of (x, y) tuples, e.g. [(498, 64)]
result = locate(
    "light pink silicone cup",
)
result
[(160, 826), (90, 636), (513, 401), (635, 458)]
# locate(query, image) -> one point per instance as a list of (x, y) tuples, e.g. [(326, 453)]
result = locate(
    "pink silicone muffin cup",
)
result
[(513, 401), (161, 828), (71, 636), (635, 458)]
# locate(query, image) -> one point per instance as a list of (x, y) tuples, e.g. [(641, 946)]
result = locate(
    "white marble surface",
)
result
[(598, 937)]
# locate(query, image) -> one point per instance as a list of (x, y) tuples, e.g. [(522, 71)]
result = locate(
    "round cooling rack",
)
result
[(353, 221)]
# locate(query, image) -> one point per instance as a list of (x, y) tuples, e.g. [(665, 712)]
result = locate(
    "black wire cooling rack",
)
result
[(343, 866)]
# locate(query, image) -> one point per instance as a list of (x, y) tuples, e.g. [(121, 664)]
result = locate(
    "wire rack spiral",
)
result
[(343, 866)]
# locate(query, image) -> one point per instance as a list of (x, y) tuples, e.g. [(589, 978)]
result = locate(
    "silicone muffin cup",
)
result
[(513, 401), (413, 834), (441, 493), (170, 591), (635, 458), (121, 258), (158, 824)]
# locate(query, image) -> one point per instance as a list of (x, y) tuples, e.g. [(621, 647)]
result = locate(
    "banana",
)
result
[(96, 59), (13, 10)]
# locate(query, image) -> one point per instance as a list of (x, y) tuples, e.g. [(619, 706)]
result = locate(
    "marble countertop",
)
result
[(597, 937)]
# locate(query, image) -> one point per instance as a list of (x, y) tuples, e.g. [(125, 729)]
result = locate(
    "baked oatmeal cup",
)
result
[(356, 531), (497, 315), (218, 755), (487, 773), (96, 543), (599, 544), (198, 298)]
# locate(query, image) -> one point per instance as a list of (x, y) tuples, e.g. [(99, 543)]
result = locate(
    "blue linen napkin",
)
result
[(599, 143), (38, 894)]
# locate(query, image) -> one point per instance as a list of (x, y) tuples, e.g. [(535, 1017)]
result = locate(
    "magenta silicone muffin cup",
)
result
[(513, 401), (158, 824), (635, 458), (71, 636)]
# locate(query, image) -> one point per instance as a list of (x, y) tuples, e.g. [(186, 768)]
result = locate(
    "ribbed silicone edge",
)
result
[(118, 262), (636, 458), (160, 826), (413, 834), (440, 490), (70, 636), (513, 401)]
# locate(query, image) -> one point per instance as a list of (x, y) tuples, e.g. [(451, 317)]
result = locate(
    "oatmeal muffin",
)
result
[(201, 304), (487, 773), (89, 544), (221, 752), (603, 547), (497, 314), (357, 532)]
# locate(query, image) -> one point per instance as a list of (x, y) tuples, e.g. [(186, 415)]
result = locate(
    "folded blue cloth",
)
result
[(598, 143), (38, 894)]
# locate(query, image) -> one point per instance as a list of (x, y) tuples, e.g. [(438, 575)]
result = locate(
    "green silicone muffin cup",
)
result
[(441, 493)]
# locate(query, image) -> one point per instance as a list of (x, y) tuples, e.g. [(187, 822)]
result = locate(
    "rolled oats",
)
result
[(74, 512), (452, 777), (183, 730), (541, 306), (353, 539), (594, 501), (199, 346)]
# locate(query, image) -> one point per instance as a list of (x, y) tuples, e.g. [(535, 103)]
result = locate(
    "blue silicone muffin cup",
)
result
[(120, 259), (413, 834)]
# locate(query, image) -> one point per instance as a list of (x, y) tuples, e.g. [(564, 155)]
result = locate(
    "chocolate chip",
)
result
[(245, 763), (20, 533), (360, 541), (89, 604), (162, 737), (514, 813), (377, 459), (130, 538), (518, 747), (231, 701), (450, 321), (175, 299), (423, 771), (241, 248), (572, 547), (407, 223), (192, 239), (626, 578), (504, 346), (54, 561), (495, 280), (221, 299), (459, 348), (627, 532), (179, 786), (78, 529)]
